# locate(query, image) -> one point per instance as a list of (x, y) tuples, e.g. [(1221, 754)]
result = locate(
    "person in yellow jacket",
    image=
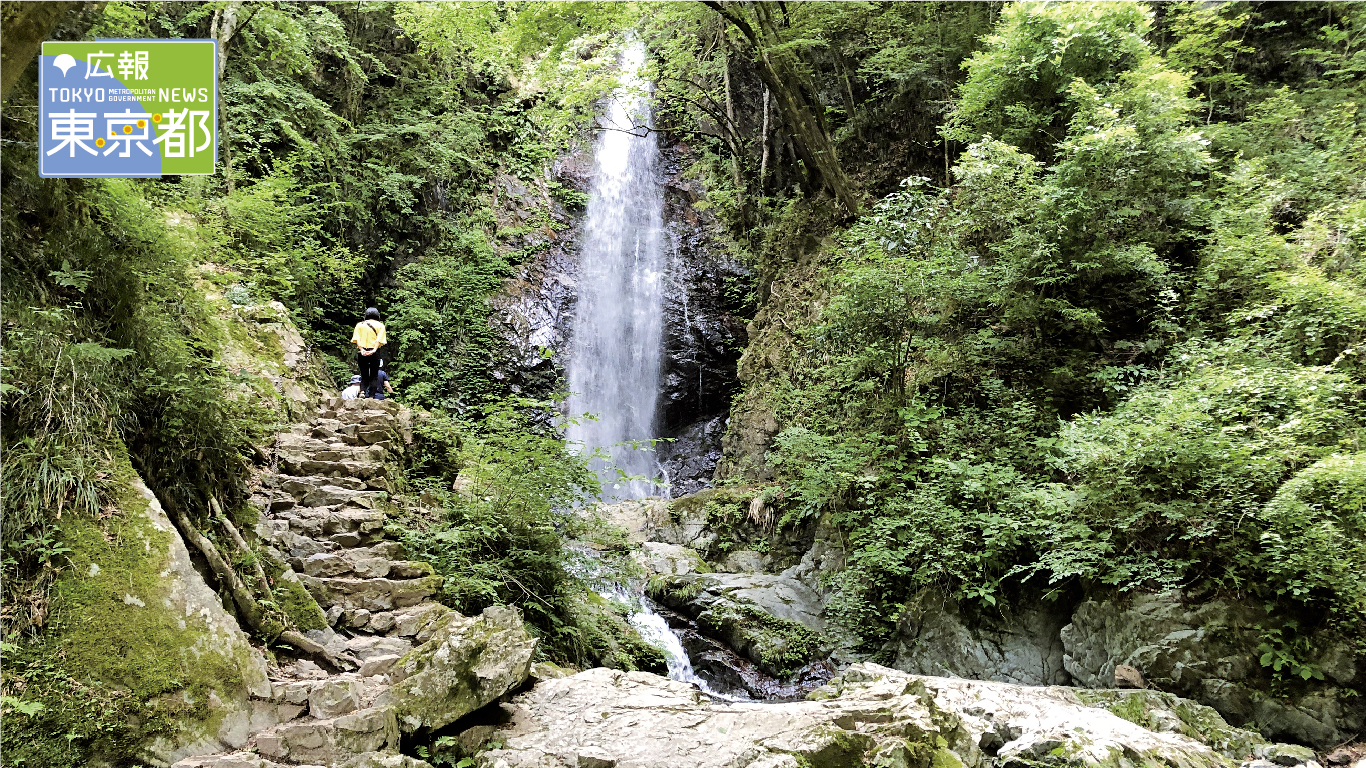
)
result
[(368, 338)]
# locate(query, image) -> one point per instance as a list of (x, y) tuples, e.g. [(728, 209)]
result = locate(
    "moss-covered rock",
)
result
[(468, 663), (297, 603), (773, 620), (135, 625), (1167, 712)]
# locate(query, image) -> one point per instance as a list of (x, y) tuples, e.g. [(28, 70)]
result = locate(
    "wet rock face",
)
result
[(689, 460), (534, 313), (706, 296)]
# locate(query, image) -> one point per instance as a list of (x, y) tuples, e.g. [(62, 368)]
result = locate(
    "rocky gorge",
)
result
[(776, 385)]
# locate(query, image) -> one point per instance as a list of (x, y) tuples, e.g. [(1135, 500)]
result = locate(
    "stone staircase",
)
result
[(323, 512)]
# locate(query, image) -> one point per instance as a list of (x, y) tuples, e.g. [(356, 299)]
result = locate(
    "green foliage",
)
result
[(274, 235), (1286, 653), (1210, 40), (504, 483), (1107, 354), (1023, 87), (1314, 537)]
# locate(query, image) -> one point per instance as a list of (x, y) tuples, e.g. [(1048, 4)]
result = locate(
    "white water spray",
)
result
[(655, 630), (615, 356)]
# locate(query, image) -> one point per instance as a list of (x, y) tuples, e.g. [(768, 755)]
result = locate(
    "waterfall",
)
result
[(614, 359)]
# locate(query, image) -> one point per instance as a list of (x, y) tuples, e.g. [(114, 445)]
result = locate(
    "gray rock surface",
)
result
[(870, 715), (1208, 652), (661, 559), (932, 638), (776, 621), (189, 600), (468, 663), (331, 741)]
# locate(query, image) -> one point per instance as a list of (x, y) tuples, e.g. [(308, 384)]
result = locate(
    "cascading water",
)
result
[(617, 341), (614, 361)]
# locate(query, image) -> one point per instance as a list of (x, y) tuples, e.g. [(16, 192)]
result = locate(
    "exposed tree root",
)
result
[(250, 609)]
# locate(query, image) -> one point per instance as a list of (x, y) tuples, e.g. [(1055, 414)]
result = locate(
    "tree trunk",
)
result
[(781, 75), (247, 605), (23, 28), (732, 138), (763, 140), (224, 26)]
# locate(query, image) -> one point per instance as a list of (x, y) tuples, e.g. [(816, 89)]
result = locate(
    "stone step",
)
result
[(297, 447), (361, 470), (323, 491), (418, 621), (374, 595), (331, 696), (331, 741), (367, 647), (250, 760), (384, 434), (362, 563), (324, 522)]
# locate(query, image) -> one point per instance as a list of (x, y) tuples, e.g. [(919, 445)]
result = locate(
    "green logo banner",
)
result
[(128, 108)]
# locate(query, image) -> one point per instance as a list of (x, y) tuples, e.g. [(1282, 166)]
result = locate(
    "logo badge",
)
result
[(128, 108)]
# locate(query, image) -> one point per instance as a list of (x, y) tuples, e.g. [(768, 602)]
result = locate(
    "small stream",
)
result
[(694, 658)]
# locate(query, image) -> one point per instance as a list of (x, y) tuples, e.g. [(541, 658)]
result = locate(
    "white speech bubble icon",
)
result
[(64, 62)]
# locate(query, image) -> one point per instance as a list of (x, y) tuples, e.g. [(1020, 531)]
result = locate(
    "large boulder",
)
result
[(934, 638), (138, 618), (1208, 652), (776, 621), (870, 716), (467, 664)]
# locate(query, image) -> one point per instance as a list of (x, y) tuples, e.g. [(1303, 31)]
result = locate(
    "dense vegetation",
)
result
[(1121, 347), (1051, 296)]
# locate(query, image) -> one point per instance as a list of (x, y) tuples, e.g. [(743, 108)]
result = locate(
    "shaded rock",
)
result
[(468, 663), (608, 717), (707, 295), (932, 638), (1208, 652), (689, 460)]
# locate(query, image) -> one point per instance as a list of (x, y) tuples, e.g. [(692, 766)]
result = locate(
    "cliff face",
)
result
[(707, 293)]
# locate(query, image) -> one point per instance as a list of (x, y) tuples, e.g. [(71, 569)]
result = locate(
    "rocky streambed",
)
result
[(868, 716)]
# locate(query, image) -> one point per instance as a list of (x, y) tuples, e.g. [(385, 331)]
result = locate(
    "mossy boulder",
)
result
[(1166, 712), (775, 621), (132, 617), (468, 663)]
